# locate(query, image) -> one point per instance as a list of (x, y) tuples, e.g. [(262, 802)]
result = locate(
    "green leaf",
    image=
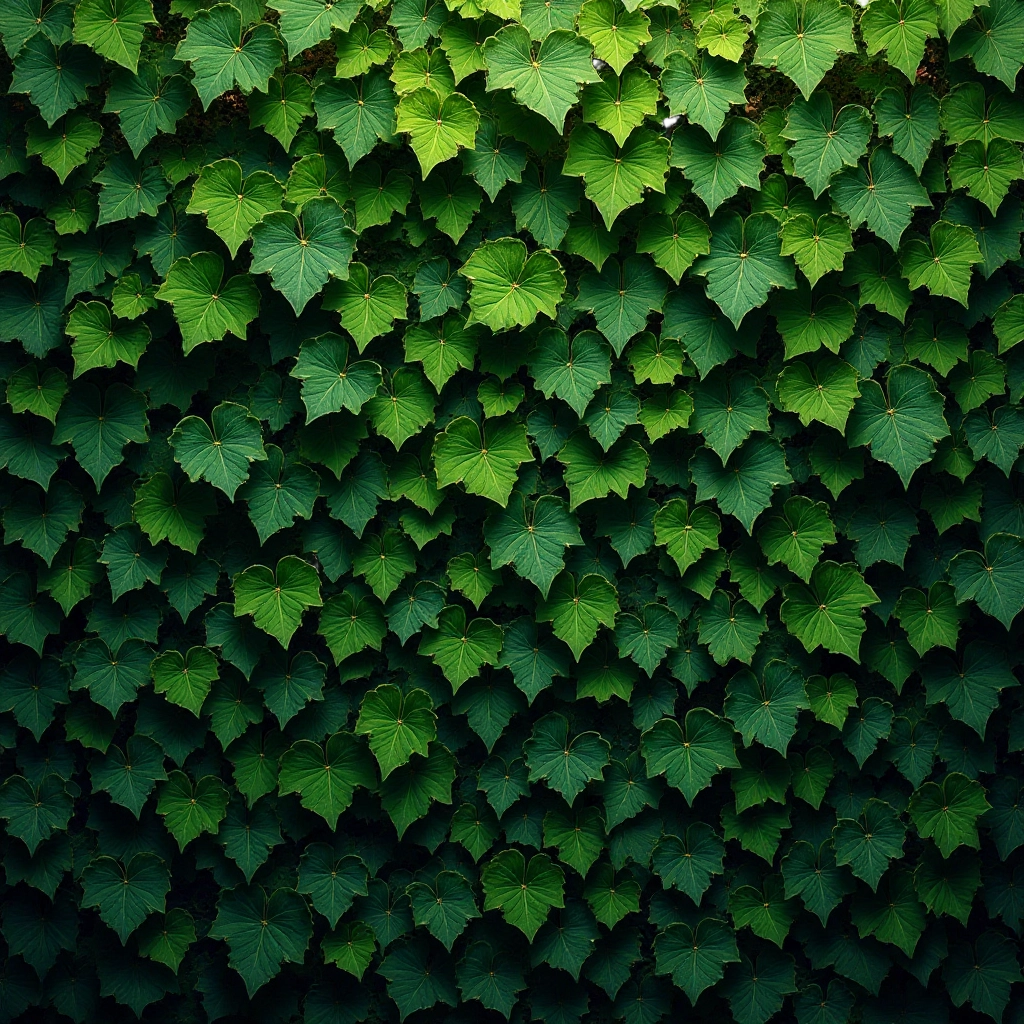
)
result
[(573, 369), (445, 906), (398, 725), (221, 455), (262, 930), (619, 103), (360, 113), (459, 648), (797, 536), (901, 28), (325, 776), (882, 192), (368, 306), (27, 248), (869, 842), (686, 534), (742, 484), (524, 891), (114, 29), (98, 426), (614, 176), (719, 167), (912, 121), (101, 341), (278, 599), (992, 40), (301, 253), (282, 108), (125, 893), (948, 812), (486, 460), (186, 679), (824, 142), (981, 973), (42, 521), (593, 472), (766, 709), (813, 875), (330, 880), (828, 611), (55, 74), (674, 241), (943, 264), (545, 79), (65, 145), (616, 35), (695, 957), (744, 264), (901, 422), (930, 619), (191, 808), (818, 246), (703, 88), (437, 125), (689, 756), (408, 791), (205, 306), (278, 492), (146, 104), (33, 813), (223, 53), (578, 608), (992, 580)]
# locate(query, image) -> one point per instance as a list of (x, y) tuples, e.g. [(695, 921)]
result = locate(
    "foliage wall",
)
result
[(511, 510)]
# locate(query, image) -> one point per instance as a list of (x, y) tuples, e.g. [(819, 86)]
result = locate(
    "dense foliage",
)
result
[(511, 510)]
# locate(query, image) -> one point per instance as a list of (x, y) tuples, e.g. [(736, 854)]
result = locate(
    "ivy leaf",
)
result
[(766, 709), (719, 167), (823, 141), (578, 608), (114, 29), (99, 425), (398, 725), (570, 370), (262, 931), (982, 972), (191, 808), (524, 891), (943, 264), (930, 619), (802, 38), (686, 534), (828, 611), (278, 599), (360, 113), (992, 580), (368, 305), (797, 535), (902, 422), (616, 35), (186, 679), (34, 812), (901, 28), (882, 192), (911, 120), (533, 538), (567, 773), (444, 906), (545, 79), (485, 459), (27, 248), (437, 125), (220, 454), (615, 176), (55, 74), (125, 893), (65, 145), (948, 812), (744, 264), (407, 793), (689, 756), (301, 253), (325, 775), (223, 53), (207, 307), (619, 103), (742, 484), (991, 39), (459, 648), (695, 957), (304, 23), (869, 842), (674, 241), (703, 88)]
